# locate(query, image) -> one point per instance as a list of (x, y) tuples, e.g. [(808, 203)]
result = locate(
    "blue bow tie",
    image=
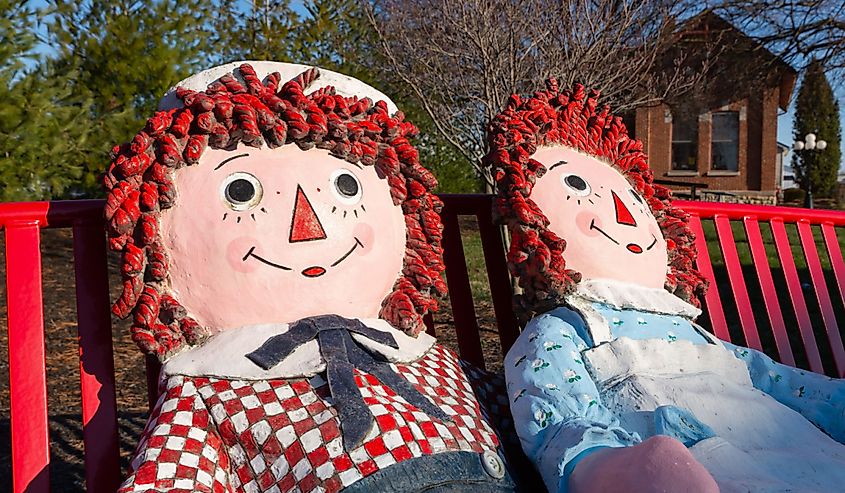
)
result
[(343, 355)]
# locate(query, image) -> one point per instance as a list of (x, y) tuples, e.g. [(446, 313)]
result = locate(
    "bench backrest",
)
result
[(775, 274)]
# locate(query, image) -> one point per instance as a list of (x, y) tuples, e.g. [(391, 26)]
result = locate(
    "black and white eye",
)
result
[(577, 184), (636, 196), (345, 187), (241, 191)]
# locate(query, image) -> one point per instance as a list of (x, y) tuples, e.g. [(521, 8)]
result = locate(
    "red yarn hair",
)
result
[(139, 183), (573, 119)]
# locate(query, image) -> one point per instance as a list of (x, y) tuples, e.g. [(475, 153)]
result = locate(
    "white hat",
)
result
[(343, 84)]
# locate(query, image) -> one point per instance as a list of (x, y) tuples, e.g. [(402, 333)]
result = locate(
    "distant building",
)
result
[(727, 140), (787, 174)]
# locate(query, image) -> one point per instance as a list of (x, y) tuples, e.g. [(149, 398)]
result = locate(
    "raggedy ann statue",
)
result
[(280, 246), (612, 386)]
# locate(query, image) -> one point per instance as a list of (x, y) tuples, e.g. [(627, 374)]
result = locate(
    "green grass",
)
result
[(481, 291)]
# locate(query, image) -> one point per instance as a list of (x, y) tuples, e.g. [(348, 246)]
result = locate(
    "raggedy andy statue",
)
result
[(280, 245), (612, 386)]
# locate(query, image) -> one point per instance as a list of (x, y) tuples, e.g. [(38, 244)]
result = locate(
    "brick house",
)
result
[(727, 139)]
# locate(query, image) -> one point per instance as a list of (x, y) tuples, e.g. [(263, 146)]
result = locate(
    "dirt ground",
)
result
[(66, 471)]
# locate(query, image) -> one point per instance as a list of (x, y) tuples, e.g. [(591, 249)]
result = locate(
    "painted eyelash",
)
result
[(354, 211), (239, 218)]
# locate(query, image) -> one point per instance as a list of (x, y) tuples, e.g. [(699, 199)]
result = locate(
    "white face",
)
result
[(609, 230), (276, 235)]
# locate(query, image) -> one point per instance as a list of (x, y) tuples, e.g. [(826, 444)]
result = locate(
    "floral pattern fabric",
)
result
[(558, 410)]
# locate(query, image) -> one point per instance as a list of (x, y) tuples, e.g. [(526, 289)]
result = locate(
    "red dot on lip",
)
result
[(634, 248), (315, 271)]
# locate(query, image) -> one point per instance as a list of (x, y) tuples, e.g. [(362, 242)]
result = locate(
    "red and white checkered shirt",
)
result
[(228, 435)]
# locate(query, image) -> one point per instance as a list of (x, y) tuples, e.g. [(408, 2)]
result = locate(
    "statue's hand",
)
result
[(659, 464)]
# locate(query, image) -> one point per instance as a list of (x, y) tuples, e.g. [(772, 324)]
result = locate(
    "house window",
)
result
[(725, 141), (684, 143)]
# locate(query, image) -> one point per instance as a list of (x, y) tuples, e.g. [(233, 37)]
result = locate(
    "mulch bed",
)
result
[(66, 470)]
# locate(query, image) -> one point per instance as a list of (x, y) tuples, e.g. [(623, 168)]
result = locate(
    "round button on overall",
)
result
[(493, 465)]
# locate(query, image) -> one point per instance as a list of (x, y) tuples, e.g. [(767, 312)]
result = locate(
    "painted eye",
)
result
[(345, 187), (576, 184), (637, 196), (241, 191)]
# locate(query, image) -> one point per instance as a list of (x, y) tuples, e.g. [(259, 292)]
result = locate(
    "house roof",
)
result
[(708, 23)]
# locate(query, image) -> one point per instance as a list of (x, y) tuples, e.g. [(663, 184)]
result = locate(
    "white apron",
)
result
[(761, 445)]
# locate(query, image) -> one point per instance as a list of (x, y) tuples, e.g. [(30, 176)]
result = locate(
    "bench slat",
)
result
[(737, 281), (711, 298), (835, 254), (460, 292), (497, 275), (811, 253), (767, 285), (28, 389), (96, 359), (793, 284)]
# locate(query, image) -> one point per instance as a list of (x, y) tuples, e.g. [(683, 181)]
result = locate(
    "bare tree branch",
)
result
[(464, 59)]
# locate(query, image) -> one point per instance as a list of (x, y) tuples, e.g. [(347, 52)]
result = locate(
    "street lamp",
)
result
[(809, 144)]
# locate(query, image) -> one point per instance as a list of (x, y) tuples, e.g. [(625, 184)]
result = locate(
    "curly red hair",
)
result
[(139, 183), (574, 119)]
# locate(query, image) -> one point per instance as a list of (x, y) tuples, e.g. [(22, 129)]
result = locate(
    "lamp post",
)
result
[(809, 144)]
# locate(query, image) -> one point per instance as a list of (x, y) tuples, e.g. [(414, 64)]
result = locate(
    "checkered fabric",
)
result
[(180, 450), (284, 435), (492, 394)]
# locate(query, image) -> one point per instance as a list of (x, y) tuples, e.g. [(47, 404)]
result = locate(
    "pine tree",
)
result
[(121, 56), (817, 111), (42, 125)]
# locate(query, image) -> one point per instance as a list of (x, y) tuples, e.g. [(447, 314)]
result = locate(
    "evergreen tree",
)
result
[(41, 123), (121, 56), (817, 111)]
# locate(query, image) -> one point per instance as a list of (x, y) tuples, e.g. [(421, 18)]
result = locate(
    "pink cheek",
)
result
[(584, 219), (366, 235), (235, 252)]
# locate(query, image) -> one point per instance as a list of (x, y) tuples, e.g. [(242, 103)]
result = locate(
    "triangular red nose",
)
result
[(305, 225), (623, 215)]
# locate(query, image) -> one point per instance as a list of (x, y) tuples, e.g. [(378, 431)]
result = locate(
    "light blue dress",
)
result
[(560, 415)]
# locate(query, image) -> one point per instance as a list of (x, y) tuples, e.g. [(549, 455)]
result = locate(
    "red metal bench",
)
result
[(795, 314)]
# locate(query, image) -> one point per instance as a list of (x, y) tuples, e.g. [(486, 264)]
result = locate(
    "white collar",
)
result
[(223, 355), (622, 295)]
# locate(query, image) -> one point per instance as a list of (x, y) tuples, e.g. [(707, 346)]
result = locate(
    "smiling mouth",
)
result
[(313, 271), (631, 247)]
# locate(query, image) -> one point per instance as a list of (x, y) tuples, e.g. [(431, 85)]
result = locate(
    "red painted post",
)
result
[(828, 316), (738, 287), (96, 360), (711, 298), (767, 285), (460, 292), (498, 277), (30, 436)]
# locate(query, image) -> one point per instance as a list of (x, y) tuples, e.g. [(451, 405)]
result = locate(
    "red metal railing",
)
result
[(805, 220), (22, 223)]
